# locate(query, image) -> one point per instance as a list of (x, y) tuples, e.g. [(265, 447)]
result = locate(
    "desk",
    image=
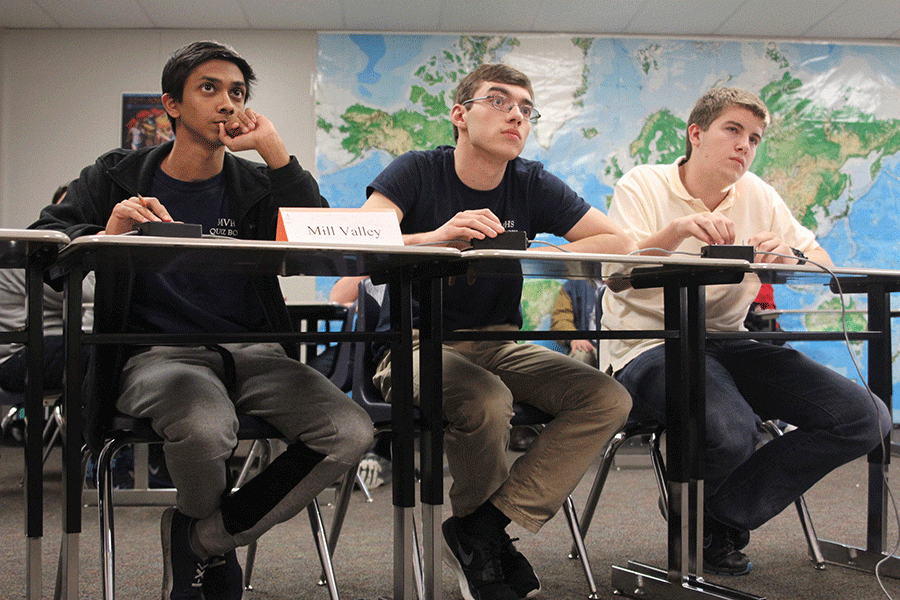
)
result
[(33, 251), (684, 281), (646, 582), (877, 285), (149, 254)]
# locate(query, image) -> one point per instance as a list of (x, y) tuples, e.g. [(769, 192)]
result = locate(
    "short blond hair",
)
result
[(713, 103)]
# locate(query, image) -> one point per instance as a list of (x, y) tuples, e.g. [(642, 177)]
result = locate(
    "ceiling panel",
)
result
[(393, 15), (793, 18), (512, 16), (798, 19), (295, 14), (869, 19), (681, 17), (95, 15), (577, 16), (195, 14), (25, 13)]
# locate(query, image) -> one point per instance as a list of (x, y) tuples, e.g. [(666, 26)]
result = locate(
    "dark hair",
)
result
[(496, 72), (183, 62), (713, 103), (59, 193)]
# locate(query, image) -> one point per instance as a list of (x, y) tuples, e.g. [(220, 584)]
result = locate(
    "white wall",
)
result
[(61, 100)]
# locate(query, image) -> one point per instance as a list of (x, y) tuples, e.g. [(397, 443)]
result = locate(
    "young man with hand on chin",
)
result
[(193, 395), (710, 197), (477, 189)]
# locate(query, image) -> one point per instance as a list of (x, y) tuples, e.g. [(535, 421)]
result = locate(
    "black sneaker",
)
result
[(517, 571), (720, 556), (182, 569), (223, 578), (476, 562)]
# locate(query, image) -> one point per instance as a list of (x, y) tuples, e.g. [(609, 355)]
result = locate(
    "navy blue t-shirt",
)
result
[(195, 302), (424, 185)]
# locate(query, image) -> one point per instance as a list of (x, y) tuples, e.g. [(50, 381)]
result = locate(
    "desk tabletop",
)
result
[(569, 265), (849, 278), (16, 245), (215, 254)]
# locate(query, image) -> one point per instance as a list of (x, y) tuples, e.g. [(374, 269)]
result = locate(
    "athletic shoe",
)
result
[(223, 578), (476, 562), (517, 571), (182, 569), (374, 470)]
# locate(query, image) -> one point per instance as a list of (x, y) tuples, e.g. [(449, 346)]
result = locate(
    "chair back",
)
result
[(342, 370), (335, 360), (365, 393)]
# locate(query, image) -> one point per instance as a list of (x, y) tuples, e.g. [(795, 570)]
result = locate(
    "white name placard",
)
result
[(350, 226)]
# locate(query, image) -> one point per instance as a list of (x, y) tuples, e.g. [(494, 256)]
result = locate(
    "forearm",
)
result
[(273, 151), (667, 238), (603, 243)]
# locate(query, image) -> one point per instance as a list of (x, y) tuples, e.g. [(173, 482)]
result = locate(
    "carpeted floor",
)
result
[(627, 526)]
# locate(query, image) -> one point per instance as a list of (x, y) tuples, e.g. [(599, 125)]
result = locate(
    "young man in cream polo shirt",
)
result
[(709, 197)]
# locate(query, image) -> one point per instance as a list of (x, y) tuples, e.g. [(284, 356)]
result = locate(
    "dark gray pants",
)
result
[(182, 391)]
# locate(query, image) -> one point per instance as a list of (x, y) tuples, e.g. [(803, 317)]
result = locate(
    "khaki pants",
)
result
[(480, 382)]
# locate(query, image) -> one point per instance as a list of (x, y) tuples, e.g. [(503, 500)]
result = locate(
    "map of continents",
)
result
[(608, 104)]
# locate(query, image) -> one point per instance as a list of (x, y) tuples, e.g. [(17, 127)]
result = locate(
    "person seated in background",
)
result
[(193, 394), (375, 468), (709, 197), (481, 188), (577, 307), (14, 357)]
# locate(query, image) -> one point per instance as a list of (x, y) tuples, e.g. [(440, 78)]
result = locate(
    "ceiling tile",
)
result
[(195, 14), (578, 16), (25, 13), (97, 15), (859, 19), (393, 15), (681, 17), (295, 14), (756, 18)]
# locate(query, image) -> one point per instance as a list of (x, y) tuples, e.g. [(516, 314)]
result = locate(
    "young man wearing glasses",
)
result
[(479, 189), (709, 197)]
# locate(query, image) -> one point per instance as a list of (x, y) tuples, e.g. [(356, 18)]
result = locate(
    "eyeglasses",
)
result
[(504, 104)]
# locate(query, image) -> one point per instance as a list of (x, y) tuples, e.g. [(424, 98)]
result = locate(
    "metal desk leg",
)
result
[(34, 431), (72, 428), (432, 431), (686, 396), (880, 382), (403, 440)]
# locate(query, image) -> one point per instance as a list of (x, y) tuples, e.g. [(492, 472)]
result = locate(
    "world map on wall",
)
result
[(608, 104)]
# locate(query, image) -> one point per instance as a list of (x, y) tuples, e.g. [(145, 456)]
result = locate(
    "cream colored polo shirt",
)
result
[(647, 199)]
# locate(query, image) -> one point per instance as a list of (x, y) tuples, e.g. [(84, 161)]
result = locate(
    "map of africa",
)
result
[(608, 104)]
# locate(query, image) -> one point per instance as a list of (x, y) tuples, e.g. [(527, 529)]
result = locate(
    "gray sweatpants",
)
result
[(182, 391)]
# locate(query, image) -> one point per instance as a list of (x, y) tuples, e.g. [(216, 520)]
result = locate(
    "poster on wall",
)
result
[(144, 121), (608, 104)]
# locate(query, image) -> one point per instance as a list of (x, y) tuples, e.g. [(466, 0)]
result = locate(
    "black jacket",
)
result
[(255, 191)]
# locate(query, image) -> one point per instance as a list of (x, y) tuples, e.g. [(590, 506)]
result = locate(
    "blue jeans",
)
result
[(745, 485)]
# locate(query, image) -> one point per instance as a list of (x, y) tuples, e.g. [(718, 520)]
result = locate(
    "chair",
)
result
[(127, 430), (332, 361), (654, 431), (109, 430), (369, 397), (53, 416)]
